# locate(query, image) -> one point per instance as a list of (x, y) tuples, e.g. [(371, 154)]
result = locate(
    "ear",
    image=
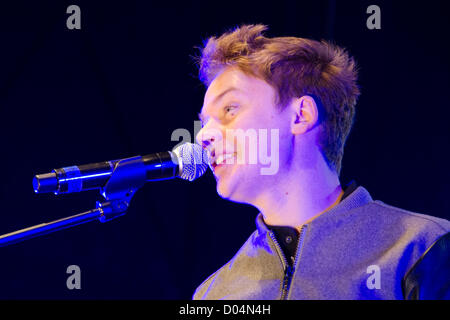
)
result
[(305, 114)]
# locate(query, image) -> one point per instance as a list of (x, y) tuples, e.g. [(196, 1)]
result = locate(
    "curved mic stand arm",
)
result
[(127, 177)]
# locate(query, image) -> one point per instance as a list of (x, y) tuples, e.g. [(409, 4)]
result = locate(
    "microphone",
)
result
[(188, 161)]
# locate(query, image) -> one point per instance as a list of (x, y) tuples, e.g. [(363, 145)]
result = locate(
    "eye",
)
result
[(229, 109)]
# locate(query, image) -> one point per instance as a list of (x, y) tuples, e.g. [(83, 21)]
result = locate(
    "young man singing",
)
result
[(315, 239)]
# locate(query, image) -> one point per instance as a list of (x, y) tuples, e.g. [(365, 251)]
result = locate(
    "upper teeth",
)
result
[(223, 157)]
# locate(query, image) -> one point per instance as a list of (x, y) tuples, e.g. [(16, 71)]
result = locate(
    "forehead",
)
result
[(227, 78), (232, 78)]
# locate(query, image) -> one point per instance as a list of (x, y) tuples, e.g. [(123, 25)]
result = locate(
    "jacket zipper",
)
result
[(288, 269)]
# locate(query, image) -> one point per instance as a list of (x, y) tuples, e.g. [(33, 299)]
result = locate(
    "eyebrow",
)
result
[(216, 99)]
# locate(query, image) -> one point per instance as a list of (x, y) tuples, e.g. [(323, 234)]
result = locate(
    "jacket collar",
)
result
[(358, 198)]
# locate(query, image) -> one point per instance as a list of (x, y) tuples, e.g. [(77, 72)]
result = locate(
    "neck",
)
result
[(300, 196)]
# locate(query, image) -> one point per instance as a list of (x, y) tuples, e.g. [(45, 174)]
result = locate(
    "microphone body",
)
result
[(189, 161)]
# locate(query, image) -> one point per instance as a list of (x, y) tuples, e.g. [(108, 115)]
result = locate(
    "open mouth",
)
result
[(221, 160)]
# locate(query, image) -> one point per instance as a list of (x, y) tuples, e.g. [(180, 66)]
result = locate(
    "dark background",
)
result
[(123, 83)]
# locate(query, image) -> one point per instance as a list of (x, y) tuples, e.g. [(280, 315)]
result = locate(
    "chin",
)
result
[(238, 187), (227, 192), (223, 191)]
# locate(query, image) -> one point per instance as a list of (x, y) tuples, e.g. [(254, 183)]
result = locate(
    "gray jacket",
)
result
[(359, 249)]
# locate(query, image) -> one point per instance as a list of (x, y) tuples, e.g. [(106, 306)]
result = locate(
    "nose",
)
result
[(205, 138), (208, 136)]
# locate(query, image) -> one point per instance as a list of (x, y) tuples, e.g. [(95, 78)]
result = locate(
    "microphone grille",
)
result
[(193, 160)]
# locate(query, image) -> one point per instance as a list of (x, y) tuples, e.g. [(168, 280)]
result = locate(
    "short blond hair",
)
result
[(294, 67)]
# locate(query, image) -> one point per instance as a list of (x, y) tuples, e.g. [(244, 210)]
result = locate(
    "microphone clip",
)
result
[(127, 177)]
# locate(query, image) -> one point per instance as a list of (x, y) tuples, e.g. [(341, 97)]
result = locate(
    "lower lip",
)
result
[(222, 165)]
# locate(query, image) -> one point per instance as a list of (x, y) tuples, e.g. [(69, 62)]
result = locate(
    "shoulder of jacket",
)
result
[(439, 225), (203, 287)]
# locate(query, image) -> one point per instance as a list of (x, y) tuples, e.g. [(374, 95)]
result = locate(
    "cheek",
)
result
[(257, 133)]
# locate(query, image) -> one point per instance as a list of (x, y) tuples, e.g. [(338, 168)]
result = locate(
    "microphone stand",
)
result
[(127, 177)]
